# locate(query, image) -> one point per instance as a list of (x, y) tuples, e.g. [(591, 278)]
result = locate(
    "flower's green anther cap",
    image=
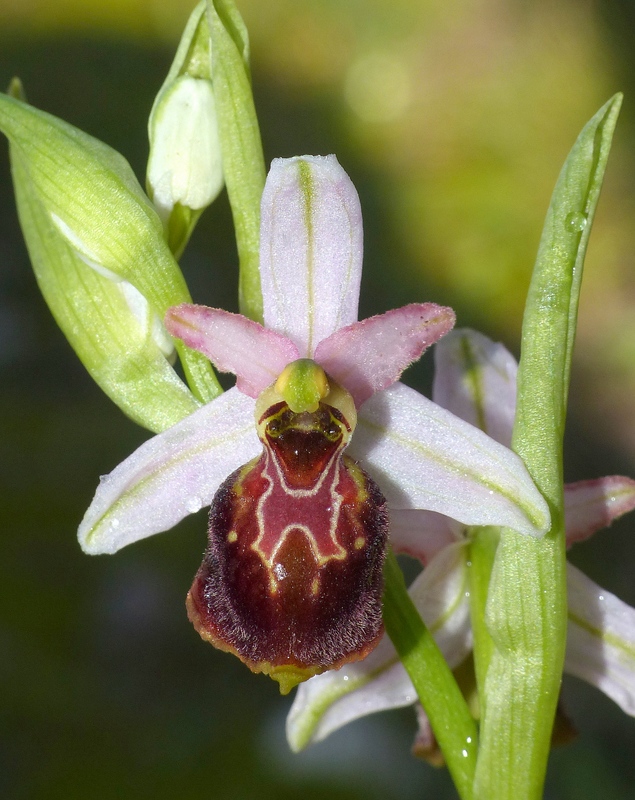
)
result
[(80, 202), (302, 384), (185, 171)]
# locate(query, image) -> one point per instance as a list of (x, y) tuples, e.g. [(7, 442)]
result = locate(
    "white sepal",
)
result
[(423, 456), (172, 475)]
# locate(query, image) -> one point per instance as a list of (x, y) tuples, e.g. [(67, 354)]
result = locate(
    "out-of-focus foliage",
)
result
[(453, 119)]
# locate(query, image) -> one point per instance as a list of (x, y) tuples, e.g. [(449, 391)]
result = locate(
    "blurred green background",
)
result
[(453, 119)]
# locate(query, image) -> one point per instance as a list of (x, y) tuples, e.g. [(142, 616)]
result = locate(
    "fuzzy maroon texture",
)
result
[(306, 596)]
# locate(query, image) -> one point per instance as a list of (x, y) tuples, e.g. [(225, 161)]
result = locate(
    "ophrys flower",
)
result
[(316, 374)]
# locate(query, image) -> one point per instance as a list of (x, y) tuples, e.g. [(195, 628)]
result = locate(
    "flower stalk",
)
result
[(449, 715)]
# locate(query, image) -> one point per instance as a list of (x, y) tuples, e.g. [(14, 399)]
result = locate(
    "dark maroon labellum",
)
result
[(291, 581)]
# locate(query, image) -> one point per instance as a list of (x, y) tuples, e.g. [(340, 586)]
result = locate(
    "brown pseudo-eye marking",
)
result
[(291, 580)]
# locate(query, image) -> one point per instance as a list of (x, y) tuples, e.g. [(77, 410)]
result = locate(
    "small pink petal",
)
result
[(311, 247), (233, 343), (475, 378), (421, 534), (369, 356), (592, 505)]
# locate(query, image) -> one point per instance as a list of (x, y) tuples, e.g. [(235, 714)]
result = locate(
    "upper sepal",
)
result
[(311, 249), (475, 378)]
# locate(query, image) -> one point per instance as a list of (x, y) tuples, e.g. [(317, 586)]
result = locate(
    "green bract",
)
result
[(185, 171), (84, 216), (243, 161)]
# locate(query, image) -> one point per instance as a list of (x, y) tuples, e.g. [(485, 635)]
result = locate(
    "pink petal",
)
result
[(475, 378), (421, 534), (310, 249), (422, 456), (369, 356), (601, 639), (171, 475), (592, 505), (233, 343)]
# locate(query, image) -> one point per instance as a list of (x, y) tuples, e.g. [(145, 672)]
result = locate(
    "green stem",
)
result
[(481, 553), (433, 680), (527, 605)]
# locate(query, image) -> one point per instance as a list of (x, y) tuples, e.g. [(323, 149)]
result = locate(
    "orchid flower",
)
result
[(475, 378), (291, 581)]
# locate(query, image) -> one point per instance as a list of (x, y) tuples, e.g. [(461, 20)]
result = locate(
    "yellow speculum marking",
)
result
[(232, 536), (360, 542)]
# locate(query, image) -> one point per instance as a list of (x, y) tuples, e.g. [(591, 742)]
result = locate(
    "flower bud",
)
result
[(185, 172), (185, 163), (291, 581)]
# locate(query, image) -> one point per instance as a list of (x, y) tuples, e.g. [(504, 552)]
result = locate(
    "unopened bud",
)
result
[(185, 162), (185, 170)]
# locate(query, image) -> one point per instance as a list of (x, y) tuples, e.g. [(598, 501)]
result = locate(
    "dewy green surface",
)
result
[(527, 608), (243, 160)]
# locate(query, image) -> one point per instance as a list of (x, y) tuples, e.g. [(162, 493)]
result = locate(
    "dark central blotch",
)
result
[(291, 581)]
